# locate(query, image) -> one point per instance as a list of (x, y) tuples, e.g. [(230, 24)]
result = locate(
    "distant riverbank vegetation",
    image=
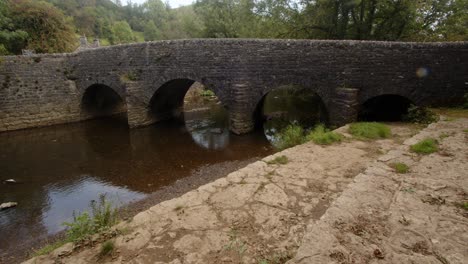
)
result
[(48, 26)]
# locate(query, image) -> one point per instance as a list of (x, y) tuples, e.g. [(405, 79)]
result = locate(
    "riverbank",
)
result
[(258, 213)]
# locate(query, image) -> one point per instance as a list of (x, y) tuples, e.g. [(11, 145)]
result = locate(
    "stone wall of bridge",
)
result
[(48, 89)]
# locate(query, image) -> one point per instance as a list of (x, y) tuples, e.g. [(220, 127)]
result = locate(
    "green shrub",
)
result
[(107, 248), (207, 93), (420, 115), (291, 136), (322, 136), (83, 225), (369, 130), (426, 146), (401, 167), (279, 160)]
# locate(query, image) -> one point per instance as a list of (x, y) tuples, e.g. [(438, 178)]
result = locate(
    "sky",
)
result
[(172, 3)]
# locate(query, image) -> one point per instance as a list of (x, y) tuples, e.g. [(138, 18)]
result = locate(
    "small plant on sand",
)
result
[(279, 160), (425, 146), (369, 130), (178, 207), (291, 136), (322, 136), (462, 205), (207, 93), (107, 248), (420, 115), (83, 225), (400, 167), (49, 248), (236, 244)]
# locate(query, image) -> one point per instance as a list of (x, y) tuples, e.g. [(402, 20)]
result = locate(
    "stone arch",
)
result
[(168, 99), (384, 107), (259, 118), (101, 100)]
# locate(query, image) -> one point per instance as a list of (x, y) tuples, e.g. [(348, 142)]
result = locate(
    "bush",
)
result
[(420, 115), (401, 167), (107, 248), (83, 225), (291, 136), (279, 160), (207, 93), (322, 136), (426, 146), (369, 130)]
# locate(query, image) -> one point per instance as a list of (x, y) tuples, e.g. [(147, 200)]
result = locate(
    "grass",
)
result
[(465, 130), (400, 167), (107, 248), (104, 216), (291, 136), (279, 160), (322, 136), (451, 113), (49, 248), (462, 205), (420, 115), (425, 146), (207, 93), (369, 130)]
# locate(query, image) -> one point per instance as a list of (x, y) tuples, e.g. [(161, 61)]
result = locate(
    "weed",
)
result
[(279, 160), (129, 76), (322, 136), (236, 244), (400, 167), (420, 115), (291, 136), (369, 130), (49, 248), (107, 248), (207, 93), (83, 225), (178, 208), (425, 146), (408, 190), (444, 135), (462, 205), (465, 130)]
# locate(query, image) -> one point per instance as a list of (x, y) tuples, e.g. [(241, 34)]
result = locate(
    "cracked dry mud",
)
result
[(314, 209)]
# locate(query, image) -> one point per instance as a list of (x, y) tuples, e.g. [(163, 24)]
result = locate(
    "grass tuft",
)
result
[(107, 248), (425, 146), (322, 136), (400, 167), (291, 136), (49, 248), (279, 160), (369, 130)]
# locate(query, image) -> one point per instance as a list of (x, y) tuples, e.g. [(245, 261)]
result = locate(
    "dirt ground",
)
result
[(259, 214)]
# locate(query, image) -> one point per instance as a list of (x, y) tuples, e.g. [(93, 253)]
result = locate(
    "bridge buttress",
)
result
[(344, 106), (241, 110)]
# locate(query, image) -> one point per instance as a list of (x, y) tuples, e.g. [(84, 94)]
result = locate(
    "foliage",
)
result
[(322, 136), (291, 136), (83, 225), (400, 167), (207, 93), (369, 130), (420, 115), (426, 146), (49, 248), (107, 248), (279, 160)]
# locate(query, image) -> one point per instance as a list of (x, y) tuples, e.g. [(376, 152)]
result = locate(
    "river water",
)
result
[(60, 169)]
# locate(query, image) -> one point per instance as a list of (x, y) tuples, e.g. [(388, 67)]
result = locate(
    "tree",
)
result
[(48, 30), (12, 40), (122, 33), (151, 32)]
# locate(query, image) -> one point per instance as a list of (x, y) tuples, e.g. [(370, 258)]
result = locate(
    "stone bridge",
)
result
[(150, 79)]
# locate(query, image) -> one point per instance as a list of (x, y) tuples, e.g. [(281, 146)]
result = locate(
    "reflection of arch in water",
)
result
[(101, 100), (387, 107), (291, 102), (208, 124)]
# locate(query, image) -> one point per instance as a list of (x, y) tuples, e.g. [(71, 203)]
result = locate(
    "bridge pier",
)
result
[(241, 110), (344, 106)]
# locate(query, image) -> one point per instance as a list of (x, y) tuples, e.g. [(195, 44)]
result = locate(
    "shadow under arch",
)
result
[(101, 100), (207, 122), (289, 102), (386, 108)]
